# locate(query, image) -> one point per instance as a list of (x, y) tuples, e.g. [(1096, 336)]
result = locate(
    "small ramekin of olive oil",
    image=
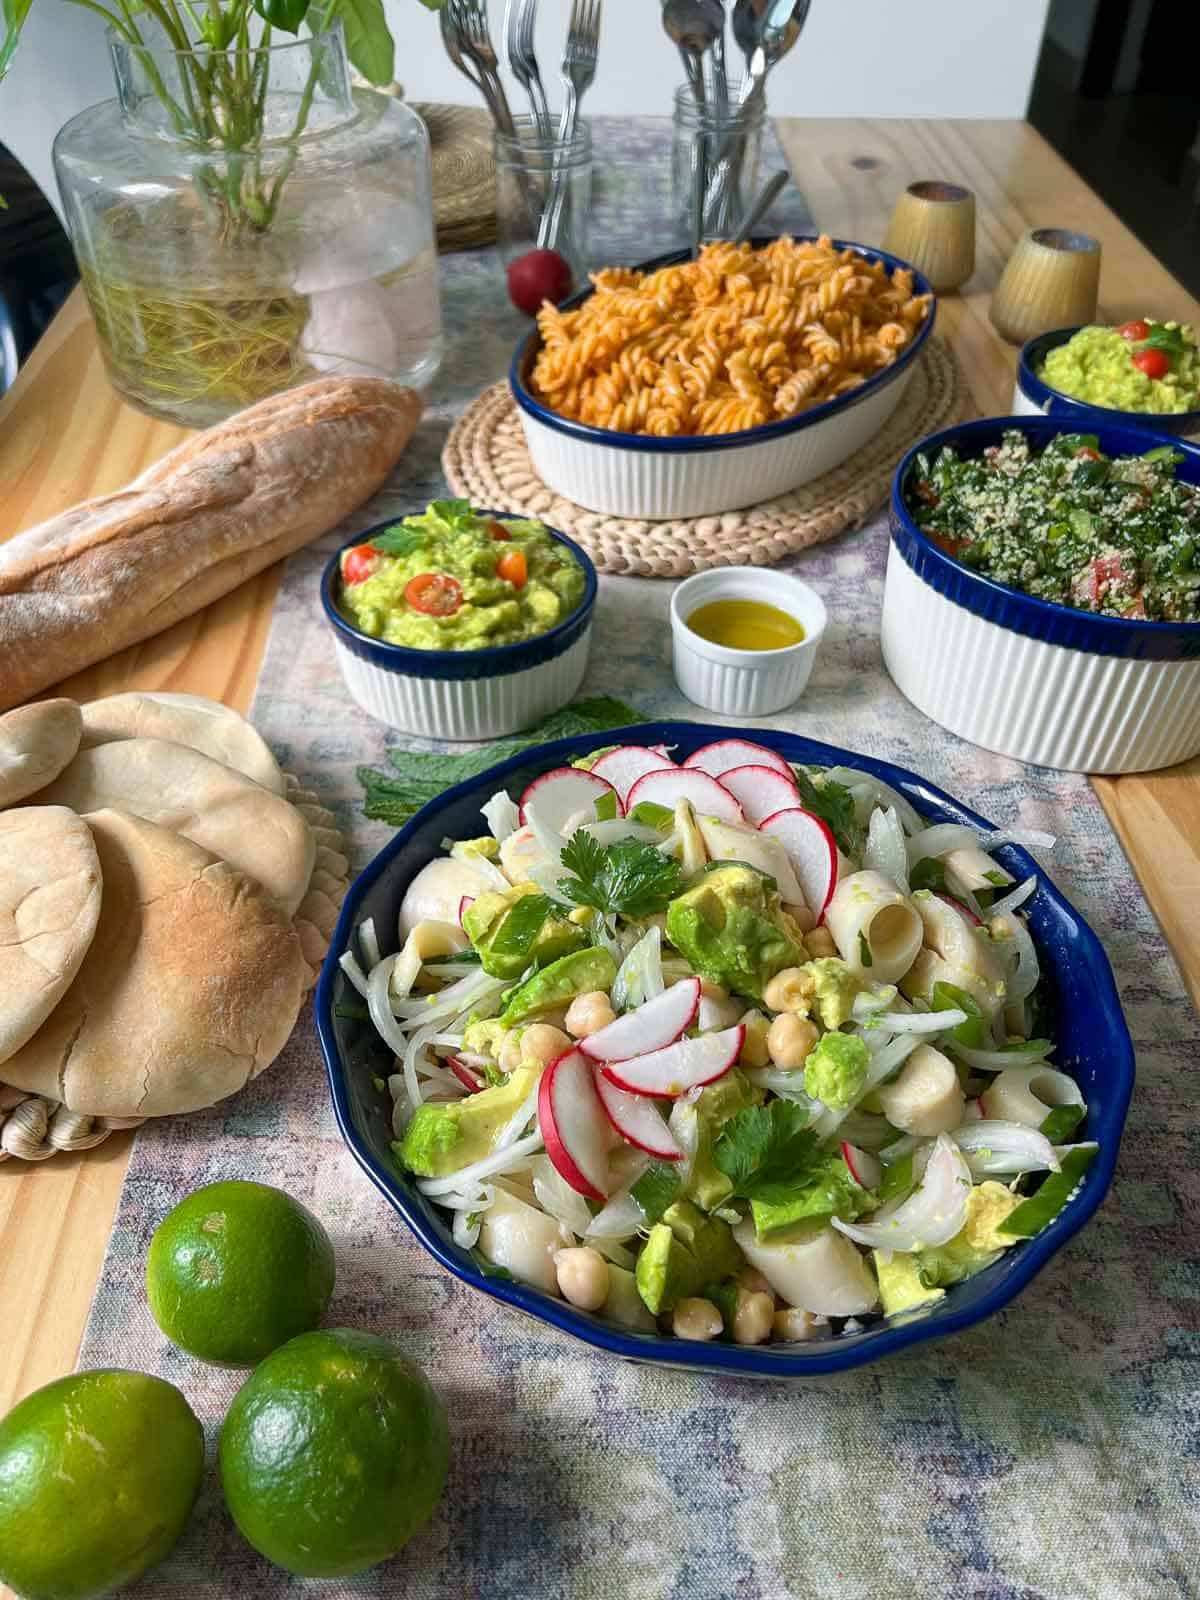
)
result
[(744, 639)]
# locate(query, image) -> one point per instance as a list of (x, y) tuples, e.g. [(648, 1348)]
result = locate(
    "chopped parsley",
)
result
[(764, 1145), (630, 878), (834, 804)]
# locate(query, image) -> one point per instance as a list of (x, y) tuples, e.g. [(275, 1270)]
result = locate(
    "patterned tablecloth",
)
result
[(1050, 1454)]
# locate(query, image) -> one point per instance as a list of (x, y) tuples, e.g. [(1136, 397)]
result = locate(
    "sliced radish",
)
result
[(726, 754), (973, 1111), (623, 766), (666, 1074), (672, 784), (637, 1120), (760, 791), (467, 1076), (653, 1026), (464, 905), (864, 1168), (964, 911), (574, 1126), (563, 792), (813, 852)]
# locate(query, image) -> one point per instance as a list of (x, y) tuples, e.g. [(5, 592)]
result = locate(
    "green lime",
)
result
[(98, 1475), (236, 1270), (334, 1453)]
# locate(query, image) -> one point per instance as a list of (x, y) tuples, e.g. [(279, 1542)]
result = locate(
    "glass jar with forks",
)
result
[(543, 195), (715, 148)]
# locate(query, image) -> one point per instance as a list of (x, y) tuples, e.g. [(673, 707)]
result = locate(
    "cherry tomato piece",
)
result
[(360, 563), (1136, 330), (513, 568), (436, 594), (1152, 362), (499, 532), (1088, 454)]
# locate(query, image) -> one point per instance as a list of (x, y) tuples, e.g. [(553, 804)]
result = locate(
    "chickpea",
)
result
[(819, 943), (795, 1325), (752, 1317), (751, 1278), (541, 1042), (801, 916), (588, 1013), (583, 1277), (790, 1039), (509, 1058), (790, 990), (696, 1319), (754, 1045)]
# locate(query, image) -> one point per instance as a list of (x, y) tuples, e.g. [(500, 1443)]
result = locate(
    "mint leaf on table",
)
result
[(420, 776), (764, 1145), (834, 804), (630, 878)]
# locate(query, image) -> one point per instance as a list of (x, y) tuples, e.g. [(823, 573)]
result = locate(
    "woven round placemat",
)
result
[(486, 460), (464, 174)]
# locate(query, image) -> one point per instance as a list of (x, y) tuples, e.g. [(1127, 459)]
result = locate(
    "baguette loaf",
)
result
[(213, 512)]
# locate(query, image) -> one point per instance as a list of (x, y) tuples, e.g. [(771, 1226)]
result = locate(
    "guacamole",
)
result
[(1140, 366), (451, 579)]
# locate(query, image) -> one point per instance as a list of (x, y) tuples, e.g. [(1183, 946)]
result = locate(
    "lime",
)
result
[(98, 1474), (236, 1270), (334, 1453)]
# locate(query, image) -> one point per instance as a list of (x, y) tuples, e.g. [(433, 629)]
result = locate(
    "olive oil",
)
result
[(745, 625)]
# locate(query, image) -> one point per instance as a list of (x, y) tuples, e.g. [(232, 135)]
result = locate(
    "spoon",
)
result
[(765, 30), (762, 204), (694, 26)]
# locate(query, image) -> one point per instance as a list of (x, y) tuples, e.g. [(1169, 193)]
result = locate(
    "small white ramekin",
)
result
[(462, 694), (634, 475), (744, 683), (1039, 682), (1034, 397)]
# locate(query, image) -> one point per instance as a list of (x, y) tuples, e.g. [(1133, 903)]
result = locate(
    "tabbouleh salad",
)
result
[(1068, 524)]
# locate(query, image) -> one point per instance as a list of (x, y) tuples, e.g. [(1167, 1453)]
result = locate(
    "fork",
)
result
[(578, 74), (522, 60), (465, 31)]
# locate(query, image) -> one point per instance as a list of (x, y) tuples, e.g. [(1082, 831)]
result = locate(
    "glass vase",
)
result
[(245, 221)]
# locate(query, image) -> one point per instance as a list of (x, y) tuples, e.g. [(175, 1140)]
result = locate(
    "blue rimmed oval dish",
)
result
[(1033, 396)]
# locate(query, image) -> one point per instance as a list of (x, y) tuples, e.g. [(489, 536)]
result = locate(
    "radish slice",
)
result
[(727, 754), (636, 1119), (760, 791), (671, 784), (566, 790), (652, 1026), (464, 905), (623, 766), (813, 851), (471, 1081), (666, 1074), (864, 1169), (931, 1216), (573, 1124)]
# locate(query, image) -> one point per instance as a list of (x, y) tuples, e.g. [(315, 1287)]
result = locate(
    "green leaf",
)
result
[(928, 873), (285, 14), (656, 1189), (630, 878), (399, 541), (455, 514), (13, 13), (1032, 1215), (1061, 1123), (834, 804), (368, 38), (1169, 340), (949, 997), (762, 1145), (522, 925)]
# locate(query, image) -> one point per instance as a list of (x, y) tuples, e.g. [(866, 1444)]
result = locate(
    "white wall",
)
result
[(856, 58)]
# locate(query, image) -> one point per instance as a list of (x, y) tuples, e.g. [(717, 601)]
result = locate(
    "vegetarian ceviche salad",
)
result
[(729, 1048)]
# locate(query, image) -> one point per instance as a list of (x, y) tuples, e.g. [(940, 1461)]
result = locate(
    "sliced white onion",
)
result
[(936, 840), (880, 794), (620, 1219), (515, 1158), (1016, 897), (787, 1085), (354, 972), (883, 1063), (1031, 839), (894, 1022), (999, 1060), (996, 1149), (640, 976), (502, 815), (550, 842), (871, 1002), (546, 876), (866, 1129), (557, 1198), (929, 1217), (957, 889), (886, 852), (479, 864), (612, 1251), (477, 1198), (368, 943), (1024, 980), (515, 1126), (616, 828), (466, 1228), (379, 1005)]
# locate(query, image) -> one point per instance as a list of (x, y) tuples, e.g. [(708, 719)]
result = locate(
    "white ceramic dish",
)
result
[(1040, 682), (745, 683), (632, 475)]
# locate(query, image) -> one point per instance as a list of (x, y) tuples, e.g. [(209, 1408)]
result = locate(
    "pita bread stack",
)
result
[(166, 894)]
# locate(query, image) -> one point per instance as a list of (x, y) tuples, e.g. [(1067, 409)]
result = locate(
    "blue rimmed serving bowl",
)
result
[(1034, 397), (1025, 677), (1093, 1045), (462, 694), (635, 475)]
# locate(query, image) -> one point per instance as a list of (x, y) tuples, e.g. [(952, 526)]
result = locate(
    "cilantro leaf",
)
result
[(656, 1189), (454, 513), (834, 804), (399, 541), (1169, 340), (763, 1145), (630, 878)]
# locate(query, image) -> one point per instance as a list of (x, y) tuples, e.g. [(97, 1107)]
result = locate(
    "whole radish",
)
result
[(536, 276)]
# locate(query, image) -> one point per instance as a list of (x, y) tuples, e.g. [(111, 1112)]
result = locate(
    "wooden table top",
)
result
[(64, 435)]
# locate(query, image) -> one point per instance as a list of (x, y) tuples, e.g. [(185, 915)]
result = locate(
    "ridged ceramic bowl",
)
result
[(744, 683), (1093, 1045), (461, 694), (1027, 678), (634, 475), (1033, 396)]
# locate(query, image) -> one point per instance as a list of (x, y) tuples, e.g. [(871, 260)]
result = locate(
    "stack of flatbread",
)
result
[(166, 897)]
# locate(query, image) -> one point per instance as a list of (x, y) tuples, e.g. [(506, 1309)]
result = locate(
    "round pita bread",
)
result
[(190, 719), (192, 794), (36, 742), (190, 988), (49, 907)]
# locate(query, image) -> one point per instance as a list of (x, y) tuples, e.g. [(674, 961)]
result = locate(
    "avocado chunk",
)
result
[(834, 989), (517, 928), (827, 1189), (977, 1243), (900, 1286), (712, 1108), (835, 1070), (733, 930), (560, 982), (446, 1136), (683, 1252)]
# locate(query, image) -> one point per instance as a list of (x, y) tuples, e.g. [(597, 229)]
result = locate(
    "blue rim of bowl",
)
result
[(585, 433), (1055, 403), (498, 661), (874, 1342), (1043, 620)]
